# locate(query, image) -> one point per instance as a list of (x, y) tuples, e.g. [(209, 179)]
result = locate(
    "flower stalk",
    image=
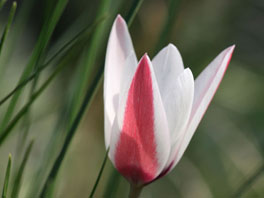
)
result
[(135, 191)]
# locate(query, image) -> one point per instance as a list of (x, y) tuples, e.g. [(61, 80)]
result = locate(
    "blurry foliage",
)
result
[(225, 156)]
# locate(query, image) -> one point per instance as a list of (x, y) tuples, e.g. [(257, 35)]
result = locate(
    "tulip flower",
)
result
[(152, 108)]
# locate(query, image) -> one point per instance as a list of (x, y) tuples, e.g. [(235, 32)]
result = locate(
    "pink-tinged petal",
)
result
[(206, 85), (140, 140), (119, 48)]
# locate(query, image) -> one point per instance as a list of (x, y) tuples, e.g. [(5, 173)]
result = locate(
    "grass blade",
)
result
[(75, 114), (54, 171), (96, 83), (38, 52), (133, 11), (7, 27), (60, 125), (74, 41), (15, 35), (99, 175), (25, 108), (89, 57), (6, 181), (19, 175)]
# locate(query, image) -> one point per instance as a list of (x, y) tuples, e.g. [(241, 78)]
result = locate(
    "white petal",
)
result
[(205, 87), (168, 66), (119, 48), (178, 105), (167, 62), (161, 131)]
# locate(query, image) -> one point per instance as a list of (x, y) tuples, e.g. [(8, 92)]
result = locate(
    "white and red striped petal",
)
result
[(140, 138), (119, 48)]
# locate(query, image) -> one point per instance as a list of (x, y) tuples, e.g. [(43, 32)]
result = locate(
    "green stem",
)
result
[(135, 191)]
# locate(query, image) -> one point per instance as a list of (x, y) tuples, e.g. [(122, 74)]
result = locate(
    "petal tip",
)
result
[(119, 17), (188, 70), (119, 20), (144, 58), (230, 51), (170, 45), (231, 48)]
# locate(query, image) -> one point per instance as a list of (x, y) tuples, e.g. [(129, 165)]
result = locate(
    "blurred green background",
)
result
[(225, 156)]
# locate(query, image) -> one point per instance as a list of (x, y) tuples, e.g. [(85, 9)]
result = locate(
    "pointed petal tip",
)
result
[(231, 48), (119, 17), (119, 20), (229, 54), (145, 58)]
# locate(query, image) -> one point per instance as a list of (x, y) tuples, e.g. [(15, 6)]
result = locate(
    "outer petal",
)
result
[(140, 140), (119, 48), (205, 87)]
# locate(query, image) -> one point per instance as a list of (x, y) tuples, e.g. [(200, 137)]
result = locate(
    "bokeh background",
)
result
[(225, 156)]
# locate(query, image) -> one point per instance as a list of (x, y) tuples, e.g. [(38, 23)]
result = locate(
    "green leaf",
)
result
[(19, 175), (6, 181)]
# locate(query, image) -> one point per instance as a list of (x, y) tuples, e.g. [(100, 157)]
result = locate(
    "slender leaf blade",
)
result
[(7, 175), (19, 176), (7, 27)]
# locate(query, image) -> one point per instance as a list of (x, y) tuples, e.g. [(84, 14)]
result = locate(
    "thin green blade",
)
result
[(6, 181), (19, 176)]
